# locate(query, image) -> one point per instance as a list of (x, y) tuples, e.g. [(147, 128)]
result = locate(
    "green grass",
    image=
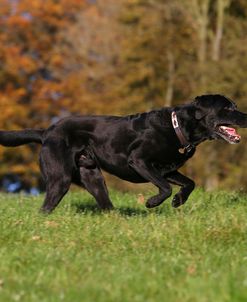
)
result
[(195, 253)]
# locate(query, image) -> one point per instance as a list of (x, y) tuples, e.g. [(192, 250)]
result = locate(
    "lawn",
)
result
[(195, 253)]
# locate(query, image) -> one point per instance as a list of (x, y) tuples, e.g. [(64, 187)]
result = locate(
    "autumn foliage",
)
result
[(115, 57)]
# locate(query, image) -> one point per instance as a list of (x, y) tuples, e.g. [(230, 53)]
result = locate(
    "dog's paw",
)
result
[(45, 211), (153, 202), (178, 201), (107, 208)]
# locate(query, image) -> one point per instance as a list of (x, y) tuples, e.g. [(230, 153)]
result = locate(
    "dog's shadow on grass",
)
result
[(92, 209)]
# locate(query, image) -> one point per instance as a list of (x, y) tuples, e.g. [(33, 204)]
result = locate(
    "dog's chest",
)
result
[(171, 161), (166, 167)]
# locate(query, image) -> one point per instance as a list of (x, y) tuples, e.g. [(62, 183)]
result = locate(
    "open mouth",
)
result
[(228, 134)]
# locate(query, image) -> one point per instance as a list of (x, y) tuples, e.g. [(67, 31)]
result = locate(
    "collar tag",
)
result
[(182, 150)]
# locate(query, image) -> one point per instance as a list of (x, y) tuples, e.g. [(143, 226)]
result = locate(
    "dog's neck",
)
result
[(186, 146)]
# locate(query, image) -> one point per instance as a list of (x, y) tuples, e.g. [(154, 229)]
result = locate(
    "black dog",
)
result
[(146, 147)]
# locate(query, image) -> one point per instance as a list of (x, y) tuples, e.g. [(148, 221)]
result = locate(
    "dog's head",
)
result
[(211, 117), (218, 114)]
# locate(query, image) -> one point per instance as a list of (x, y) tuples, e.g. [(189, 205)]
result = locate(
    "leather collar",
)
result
[(186, 146)]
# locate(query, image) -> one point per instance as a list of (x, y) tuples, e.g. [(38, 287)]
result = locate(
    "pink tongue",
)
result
[(232, 131)]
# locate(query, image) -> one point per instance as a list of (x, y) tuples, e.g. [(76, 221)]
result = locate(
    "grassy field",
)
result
[(195, 253)]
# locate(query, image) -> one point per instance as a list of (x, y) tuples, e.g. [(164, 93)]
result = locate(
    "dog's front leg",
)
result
[(148, 172), (187, 185)]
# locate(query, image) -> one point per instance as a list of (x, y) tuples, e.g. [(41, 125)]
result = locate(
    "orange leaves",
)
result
[(16, 62), (54, 13), (11, 54), (27, 64), (57, 60), (18, 20), (5, 9), (11, 109)]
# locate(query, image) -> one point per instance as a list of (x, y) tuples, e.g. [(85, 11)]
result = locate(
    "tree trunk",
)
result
[(201, 13), (221, 7), (171, 75)]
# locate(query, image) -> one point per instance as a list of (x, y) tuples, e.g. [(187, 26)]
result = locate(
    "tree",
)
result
[(28, 32), (92, 48), (157, 37)]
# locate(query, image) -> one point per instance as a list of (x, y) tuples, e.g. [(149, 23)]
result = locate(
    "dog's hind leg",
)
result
[(93, 181), (56, 167), (187, 186)]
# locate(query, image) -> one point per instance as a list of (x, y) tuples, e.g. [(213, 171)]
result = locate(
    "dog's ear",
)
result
[(200, 111)]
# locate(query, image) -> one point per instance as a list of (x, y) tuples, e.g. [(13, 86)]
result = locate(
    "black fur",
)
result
[(138, 148)]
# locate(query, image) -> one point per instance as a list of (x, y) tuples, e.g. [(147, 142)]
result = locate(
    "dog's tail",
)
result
[(21, 137)]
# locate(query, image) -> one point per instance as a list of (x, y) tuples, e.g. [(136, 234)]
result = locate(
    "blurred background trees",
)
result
[(61, 57)]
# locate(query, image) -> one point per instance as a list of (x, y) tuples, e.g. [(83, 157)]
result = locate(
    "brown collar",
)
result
[(186, 146)]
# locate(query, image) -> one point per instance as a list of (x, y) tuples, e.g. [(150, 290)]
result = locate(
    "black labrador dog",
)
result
[(145, 147)]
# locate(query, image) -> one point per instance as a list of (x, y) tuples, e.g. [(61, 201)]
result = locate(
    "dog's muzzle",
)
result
[(228, 134)]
